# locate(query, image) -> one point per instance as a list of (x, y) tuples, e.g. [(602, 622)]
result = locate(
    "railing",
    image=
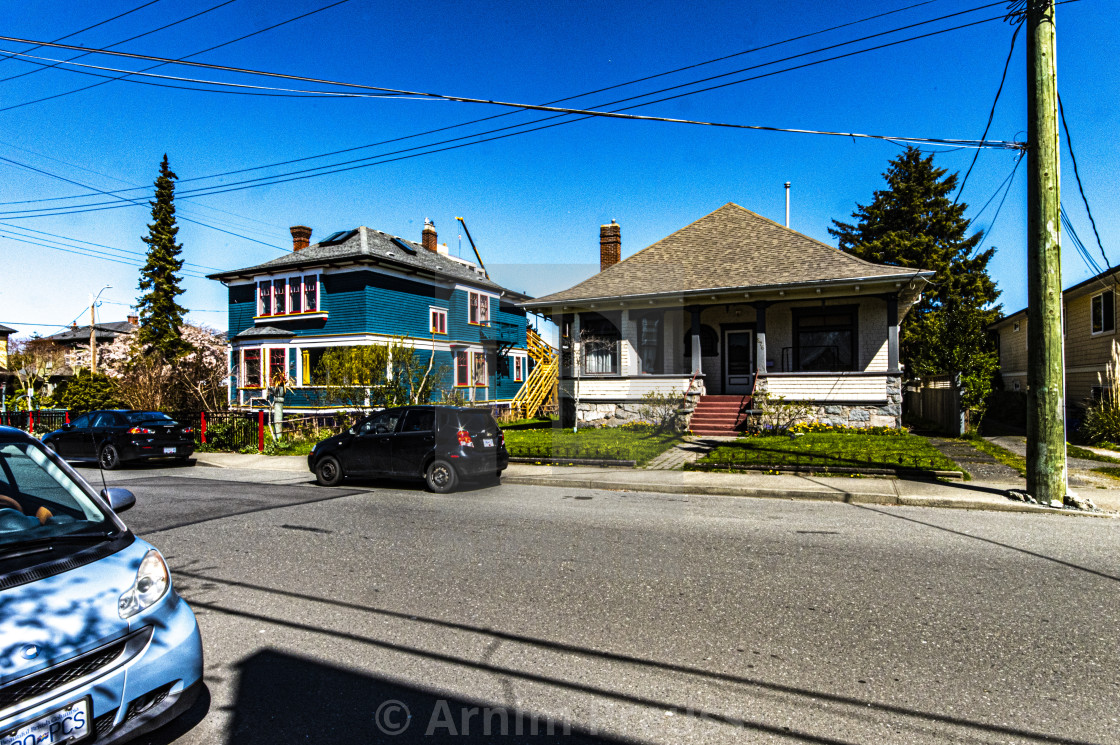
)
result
[(500, 331), (539, 389)]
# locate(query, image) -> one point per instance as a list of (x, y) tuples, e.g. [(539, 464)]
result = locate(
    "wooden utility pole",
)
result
[(1046, 441), (92, 336)]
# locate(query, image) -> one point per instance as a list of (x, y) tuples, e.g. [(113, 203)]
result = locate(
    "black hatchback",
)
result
[(114, 437), (440, 444)]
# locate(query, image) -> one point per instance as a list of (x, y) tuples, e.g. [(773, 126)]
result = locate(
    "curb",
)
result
[(803, 495)]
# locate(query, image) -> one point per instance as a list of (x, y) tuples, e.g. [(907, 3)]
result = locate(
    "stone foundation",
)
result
[(840, 414)]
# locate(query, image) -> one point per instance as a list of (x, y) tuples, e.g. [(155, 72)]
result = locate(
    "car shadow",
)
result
[(283, 698), (477, 483)]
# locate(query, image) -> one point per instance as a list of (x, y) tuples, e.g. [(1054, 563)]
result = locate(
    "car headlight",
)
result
[(152, 581)]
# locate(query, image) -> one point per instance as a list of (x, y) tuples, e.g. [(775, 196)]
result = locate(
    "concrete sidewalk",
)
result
[(969, 495)]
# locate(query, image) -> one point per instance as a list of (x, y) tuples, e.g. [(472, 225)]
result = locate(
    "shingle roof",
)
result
[(104, 331), (730, 248), (260, 331), (6, 330), (374, 246)]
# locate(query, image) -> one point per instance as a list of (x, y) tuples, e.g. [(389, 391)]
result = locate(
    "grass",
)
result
[(826, 451), (1001, 454), (635, 442)]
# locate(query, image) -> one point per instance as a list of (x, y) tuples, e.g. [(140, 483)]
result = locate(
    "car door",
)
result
[(373, 446), (103, 425), (414, 441), (66, 443)]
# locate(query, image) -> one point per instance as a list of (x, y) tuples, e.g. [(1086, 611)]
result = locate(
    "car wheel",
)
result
[(328, 472), (109, 458), (441, 477)]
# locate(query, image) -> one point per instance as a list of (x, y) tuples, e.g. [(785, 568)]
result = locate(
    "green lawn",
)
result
[(839, 451), (632, 442)]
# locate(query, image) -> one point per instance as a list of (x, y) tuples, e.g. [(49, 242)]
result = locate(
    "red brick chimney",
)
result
[(610, 245), (134, 320), (301, 237), (428, 237)]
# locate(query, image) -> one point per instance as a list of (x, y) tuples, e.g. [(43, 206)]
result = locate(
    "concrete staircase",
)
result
[(720, 416)]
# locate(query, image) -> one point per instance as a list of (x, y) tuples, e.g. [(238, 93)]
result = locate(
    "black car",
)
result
[(439, 444), (114, 437)]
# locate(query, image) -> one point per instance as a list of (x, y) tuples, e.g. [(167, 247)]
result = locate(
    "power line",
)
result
[(510, 113), (1077, 176), (97, 245), (130, 201), (584, 113), (992, 113), (124, 41), (492, 102), (90, 28)]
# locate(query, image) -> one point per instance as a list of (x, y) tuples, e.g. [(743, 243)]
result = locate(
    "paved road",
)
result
[(630, 617)]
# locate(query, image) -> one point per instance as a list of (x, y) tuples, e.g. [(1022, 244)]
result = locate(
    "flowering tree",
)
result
[(194, 380)]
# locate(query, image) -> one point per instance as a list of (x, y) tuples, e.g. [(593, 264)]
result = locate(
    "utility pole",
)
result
[(92, 336), (1046, 442)]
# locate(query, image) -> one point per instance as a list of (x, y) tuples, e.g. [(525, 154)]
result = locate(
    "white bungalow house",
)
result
[(733, 304)]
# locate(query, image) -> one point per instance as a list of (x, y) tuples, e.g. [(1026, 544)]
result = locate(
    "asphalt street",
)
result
[(379, 613)]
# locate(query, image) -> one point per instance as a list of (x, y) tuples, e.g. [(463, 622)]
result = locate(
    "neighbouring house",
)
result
[(76, 340), (731, 305), (362, 287), (1089, 329), (5, 332)]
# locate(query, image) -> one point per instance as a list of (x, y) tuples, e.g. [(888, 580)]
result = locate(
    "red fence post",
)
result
[(260, 431), (203, 428), (30, 421), (67, 420)]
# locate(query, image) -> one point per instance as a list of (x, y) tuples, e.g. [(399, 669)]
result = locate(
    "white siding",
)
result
[(835, 387), (620, 389)]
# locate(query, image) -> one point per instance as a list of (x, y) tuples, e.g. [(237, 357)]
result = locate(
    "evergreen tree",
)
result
[(913, 223), (160, 315)]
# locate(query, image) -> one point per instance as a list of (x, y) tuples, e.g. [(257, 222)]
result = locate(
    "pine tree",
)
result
[(914, 224), (160, 315)]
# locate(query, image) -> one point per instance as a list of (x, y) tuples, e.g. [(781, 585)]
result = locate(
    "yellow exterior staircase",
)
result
[(538, 394)]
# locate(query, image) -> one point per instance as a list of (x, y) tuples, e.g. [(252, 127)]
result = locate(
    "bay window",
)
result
[(251, 368), (277, 366)]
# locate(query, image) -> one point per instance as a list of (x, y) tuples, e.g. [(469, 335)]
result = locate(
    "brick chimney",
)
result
[(428, 237), (134, 320), (301, 237), (610, 245)]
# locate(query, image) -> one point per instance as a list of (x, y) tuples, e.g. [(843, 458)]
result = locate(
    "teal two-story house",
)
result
[(364, 286)]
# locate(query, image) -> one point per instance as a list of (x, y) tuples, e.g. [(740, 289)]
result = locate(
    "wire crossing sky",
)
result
[(874, 77)]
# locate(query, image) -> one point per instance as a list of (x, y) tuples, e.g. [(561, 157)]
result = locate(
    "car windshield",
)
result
[(135, 417), (38, 500)]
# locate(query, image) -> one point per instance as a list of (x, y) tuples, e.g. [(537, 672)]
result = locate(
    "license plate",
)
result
[(68, 724), (487, 442), (169, 451)]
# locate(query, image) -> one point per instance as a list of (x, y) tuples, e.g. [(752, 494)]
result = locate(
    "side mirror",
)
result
[(67, 427), (119, 499)]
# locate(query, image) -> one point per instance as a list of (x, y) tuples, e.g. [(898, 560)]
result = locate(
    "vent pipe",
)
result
[(787, 204)]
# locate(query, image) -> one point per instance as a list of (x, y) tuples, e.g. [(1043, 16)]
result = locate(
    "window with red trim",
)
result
[(438, 321), (479, 313), (277, 366), (462, 368), (279, 297), (295, 295), (251, 368)]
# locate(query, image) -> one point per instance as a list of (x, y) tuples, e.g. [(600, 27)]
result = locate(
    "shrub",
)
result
[(660, 409), (1102, 417)]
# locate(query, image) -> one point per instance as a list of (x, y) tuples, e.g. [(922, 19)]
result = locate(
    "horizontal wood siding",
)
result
[(344, 300), (839, 388), (400, 306), (621, 389), (242, 308)]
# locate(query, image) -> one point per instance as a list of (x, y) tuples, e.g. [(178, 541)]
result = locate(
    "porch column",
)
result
[(577, 348), (892, 333), (760, 338), (695, 339)]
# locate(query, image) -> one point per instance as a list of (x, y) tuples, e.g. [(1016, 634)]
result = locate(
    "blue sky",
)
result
[(535, 200)]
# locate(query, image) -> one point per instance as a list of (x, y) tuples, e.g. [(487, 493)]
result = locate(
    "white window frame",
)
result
[(471, 295), (266, 372), (244, 376), (475, 356), (1104, 330), (437, 312), (455, 363), (518, 369)]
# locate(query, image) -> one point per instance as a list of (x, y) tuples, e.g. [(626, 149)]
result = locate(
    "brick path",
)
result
[(688, 451)]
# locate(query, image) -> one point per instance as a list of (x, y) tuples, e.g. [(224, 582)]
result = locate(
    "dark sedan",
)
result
[(114, 437), (440, 444)]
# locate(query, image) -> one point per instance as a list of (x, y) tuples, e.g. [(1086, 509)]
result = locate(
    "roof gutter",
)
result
[(880, 279)]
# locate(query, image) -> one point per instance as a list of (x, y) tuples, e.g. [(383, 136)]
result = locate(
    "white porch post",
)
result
[(695, 340), (892, 333)]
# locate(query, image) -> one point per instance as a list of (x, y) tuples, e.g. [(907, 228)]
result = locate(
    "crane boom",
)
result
[(473, 247)]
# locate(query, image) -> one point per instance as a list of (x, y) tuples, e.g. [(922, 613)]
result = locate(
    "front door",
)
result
[(738, 361)]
